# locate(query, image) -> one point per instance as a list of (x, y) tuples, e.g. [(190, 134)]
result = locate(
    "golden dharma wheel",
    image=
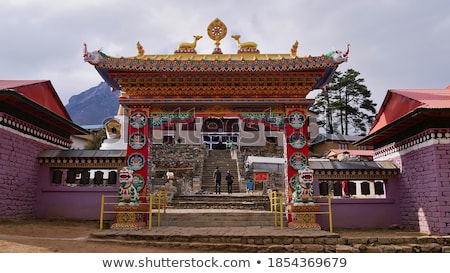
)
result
[(217, 30)]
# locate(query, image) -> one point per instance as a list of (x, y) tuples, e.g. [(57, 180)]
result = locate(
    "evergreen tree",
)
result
[(96, 141), (346, 105)]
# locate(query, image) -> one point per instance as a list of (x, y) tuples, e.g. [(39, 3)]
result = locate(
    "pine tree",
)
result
[(96, 141), (346, 105)]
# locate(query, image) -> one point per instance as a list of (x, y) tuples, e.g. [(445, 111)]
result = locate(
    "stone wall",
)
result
[(425, 189), (19, 173), (185, 161)]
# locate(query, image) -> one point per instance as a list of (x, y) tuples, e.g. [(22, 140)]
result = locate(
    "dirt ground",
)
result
[(64, 236)]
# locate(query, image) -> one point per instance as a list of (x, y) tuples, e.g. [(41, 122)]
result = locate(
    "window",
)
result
[(343, 146), (356, 188), (351, 188), (84, 177), (98, 178), (57, 177), (337, 189), (323, 188), (379, 187), (365, 188)]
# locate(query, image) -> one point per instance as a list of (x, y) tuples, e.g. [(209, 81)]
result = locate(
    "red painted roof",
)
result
[(399, 103), (404, 109), (40, 92)]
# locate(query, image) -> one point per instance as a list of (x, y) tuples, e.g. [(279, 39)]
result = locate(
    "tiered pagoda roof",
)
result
[(246, 76)]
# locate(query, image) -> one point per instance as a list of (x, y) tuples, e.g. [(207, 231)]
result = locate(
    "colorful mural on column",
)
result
[(138, 151), (299, 186), (133, 177), (296, 133)]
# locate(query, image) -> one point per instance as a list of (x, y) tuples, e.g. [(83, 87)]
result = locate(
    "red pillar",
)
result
[(296, 151), (138, 146)]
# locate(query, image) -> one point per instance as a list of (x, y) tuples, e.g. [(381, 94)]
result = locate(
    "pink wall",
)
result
[(418, 200), (57, 201), (25, 186), (425, 189), (19, 173), (364, 213)]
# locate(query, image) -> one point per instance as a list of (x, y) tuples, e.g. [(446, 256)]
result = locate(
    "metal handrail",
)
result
[(161, 197), (279, 208)]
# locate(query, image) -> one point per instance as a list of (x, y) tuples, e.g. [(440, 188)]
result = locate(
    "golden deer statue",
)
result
[(245, 45), (184, 46)]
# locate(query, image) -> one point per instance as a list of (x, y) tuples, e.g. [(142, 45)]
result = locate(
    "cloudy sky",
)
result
[(395, 44)]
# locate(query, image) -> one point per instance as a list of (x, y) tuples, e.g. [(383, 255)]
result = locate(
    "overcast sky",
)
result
[(395, 44)]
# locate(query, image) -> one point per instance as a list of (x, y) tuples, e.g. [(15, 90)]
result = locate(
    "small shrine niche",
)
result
[(113, 129)]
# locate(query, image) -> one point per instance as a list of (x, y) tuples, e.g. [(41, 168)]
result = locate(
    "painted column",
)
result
[(138, 146), (299, 175), (133, 177), (296, 131)]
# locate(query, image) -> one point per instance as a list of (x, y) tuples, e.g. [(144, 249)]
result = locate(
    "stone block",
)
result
[(346, 249)]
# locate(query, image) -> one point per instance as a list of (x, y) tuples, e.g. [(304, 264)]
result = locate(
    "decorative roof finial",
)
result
[(217, 30), (140, 49), (246, 47), (294, 49), (189, 47), (339, 56)]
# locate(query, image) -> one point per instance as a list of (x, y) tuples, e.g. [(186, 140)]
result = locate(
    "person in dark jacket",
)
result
[(217, 179), (229, 179)]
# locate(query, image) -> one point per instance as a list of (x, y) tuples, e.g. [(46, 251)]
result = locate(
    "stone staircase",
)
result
[(207, 209), (213, 210), (226, 201), (215, 218), (223, 160)]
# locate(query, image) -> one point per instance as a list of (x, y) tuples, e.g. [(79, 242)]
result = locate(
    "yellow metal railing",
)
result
[(273, 201), (280, 208), (144, 208)]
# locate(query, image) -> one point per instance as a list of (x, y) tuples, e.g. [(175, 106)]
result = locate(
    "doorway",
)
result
[(220, 133)]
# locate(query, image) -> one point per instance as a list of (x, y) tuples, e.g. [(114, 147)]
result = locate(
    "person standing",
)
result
[(250, 186), (217, 179), (229, 179)]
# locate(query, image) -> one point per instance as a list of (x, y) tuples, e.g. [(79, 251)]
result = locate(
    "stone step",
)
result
[(222, 205), (215, 218), (254, 239), (211, 188), (226, 198), (223, 160), (221, 201)]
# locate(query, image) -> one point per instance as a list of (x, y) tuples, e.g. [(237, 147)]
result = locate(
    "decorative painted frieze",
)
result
[(33, 130)]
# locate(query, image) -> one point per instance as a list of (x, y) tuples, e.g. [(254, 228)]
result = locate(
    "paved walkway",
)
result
[(272, 239), (221, 231)]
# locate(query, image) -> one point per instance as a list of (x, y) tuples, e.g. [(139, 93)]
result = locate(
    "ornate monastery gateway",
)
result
[(217, 94)]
